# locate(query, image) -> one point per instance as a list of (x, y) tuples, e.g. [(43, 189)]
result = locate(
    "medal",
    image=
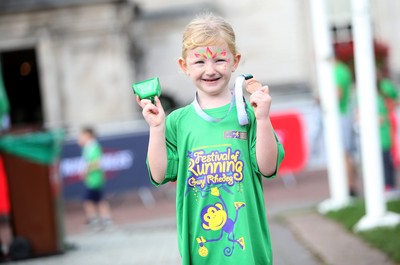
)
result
[(252, 85)]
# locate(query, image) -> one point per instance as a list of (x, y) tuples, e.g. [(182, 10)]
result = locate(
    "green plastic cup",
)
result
[(147, 89)]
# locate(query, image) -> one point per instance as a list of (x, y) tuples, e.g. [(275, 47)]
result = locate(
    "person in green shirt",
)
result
[(387, 98), (386, 143), (390, 92), (95, 206), (344, 82), (217, 163)]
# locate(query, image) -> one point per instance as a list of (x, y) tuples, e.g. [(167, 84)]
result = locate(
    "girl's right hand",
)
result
[(153, 113)]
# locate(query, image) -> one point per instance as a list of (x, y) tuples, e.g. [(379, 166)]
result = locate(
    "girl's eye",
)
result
[(221, 60), (198, 62)]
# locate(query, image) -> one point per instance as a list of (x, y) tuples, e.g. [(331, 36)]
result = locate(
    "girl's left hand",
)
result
[(261, 102)]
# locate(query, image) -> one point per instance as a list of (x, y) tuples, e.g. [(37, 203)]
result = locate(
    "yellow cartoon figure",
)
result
[(215, 217)]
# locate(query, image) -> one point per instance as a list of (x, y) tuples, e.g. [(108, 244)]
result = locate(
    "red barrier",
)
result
[(291, 133), (4, 199)]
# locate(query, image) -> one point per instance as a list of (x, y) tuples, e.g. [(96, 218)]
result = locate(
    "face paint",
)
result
[(208, 54), (217, 55)]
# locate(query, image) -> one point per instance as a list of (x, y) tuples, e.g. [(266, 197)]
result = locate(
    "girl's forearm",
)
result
[(157, 153), (266, 147)]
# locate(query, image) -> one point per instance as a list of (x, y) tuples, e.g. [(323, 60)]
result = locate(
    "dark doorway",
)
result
[(21, 80)]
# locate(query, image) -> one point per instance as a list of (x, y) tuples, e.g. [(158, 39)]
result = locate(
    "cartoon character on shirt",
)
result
[(215, 217)]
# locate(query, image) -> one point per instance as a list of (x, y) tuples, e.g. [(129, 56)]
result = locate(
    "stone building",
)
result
[(72, 62), (67, 62)]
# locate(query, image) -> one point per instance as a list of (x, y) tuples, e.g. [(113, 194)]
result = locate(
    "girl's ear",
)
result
[(183, 65), (236, 61)]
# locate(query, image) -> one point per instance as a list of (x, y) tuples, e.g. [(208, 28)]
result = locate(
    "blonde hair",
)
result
[(208, 29)]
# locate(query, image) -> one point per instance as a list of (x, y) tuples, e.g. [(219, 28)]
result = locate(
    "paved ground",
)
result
[(147, 235)]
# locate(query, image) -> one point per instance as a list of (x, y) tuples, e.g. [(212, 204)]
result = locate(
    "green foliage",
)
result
[(386, 239)]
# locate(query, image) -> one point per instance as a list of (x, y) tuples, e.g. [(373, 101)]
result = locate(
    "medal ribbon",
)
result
[(236, 98)]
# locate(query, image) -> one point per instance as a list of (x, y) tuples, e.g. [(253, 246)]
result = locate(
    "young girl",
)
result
[(217, 164)]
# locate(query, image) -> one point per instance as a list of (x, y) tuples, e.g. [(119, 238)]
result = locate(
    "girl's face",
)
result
[(210, 68)]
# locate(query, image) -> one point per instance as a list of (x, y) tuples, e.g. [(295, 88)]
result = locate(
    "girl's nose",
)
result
[(209, 68)]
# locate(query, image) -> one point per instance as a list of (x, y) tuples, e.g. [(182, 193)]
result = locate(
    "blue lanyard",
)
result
[(207, 117), (237, 98)]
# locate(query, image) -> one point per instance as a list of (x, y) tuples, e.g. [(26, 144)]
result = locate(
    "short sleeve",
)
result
[(92, 152), (280, 156)]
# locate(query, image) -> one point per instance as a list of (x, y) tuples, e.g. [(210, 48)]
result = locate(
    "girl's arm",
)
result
[(157, 148), (157, 153), (266, 146)]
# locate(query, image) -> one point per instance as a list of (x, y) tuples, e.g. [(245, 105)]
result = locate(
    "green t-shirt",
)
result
[(388, 88), (343, 79), (92, 154), (221, 217), (384, 124)]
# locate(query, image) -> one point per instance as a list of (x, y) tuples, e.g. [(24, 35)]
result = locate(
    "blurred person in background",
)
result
[(387, 101), (96, 208), (344, 83)]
